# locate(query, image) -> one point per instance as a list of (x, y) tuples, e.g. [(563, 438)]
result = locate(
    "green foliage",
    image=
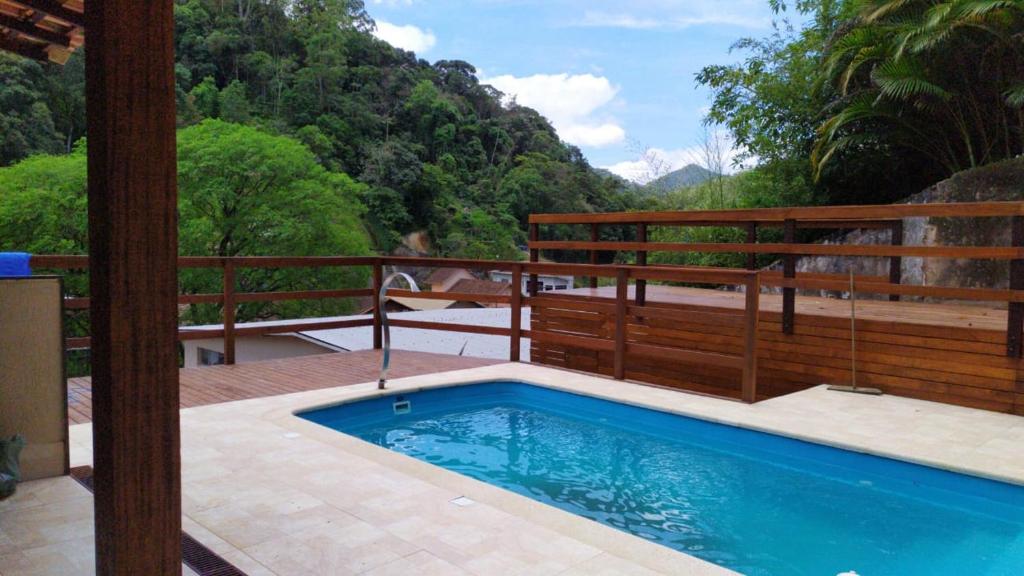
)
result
[(234, 104), (205, 97), (776, 184), (43, 205), (27, 123), (243, 192), (824, 96), (425, 138), (941, 80)]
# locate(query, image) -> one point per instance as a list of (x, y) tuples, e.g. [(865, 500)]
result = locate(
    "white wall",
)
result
[(254, 348)]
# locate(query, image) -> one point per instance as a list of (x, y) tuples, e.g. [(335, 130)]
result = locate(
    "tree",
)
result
[(206, 98), (944, 80), (424, 138), (244, 192), (26, 120), (234, 104)]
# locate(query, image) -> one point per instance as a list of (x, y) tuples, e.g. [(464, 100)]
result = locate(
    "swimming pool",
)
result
[(757, 503)]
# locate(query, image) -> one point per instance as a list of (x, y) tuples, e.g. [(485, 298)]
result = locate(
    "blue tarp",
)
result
[(14, 264)]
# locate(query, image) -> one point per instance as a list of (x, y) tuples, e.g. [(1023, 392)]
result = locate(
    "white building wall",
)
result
[(254, 348)]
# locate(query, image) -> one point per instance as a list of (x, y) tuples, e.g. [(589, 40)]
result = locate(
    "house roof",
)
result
[(421, 303), (473, 286), (441, 275), (436, 341), (48, 30), (475, 345)]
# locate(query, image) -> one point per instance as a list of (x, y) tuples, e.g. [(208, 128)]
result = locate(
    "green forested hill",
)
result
[(436, 150)]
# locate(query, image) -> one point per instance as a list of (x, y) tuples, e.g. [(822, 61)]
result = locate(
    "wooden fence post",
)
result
[(750, 336), (517, 313), (229, 311), (1015, 310), (621, 295), (789, 271), (751, 239), (534, 257), (896, 263), (641, 260), (595, 236), (378, 280)]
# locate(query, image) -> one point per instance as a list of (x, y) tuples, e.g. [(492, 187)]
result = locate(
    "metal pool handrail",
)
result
[(382, 300)]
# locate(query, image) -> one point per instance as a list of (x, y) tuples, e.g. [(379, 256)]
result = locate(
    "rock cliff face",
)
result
[(998, 182)]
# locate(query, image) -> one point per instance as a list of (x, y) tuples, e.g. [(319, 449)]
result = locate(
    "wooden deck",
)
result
[(925, 314), (944, 352), (216, 384)]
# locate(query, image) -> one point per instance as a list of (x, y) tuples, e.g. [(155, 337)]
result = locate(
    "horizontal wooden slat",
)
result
[(454, 296), (301, 295), (450, 327), (972, 252), (763, 215), (200, 298), (571, 340), (243, 330), (704, 274), (682, 355), (730, 319), (413, 261), (777, 274), (976, 294), (78, 343), (185, 334)]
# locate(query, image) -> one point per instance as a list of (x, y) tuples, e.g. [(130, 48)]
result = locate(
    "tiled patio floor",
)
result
[(216, 384), (279, 495)]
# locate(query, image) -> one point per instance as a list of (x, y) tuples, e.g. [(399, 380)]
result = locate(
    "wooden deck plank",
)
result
[(216, 384)]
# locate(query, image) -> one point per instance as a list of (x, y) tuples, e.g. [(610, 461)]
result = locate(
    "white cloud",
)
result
[(406, 37), (694, 14), (606, 20), (571, 102)]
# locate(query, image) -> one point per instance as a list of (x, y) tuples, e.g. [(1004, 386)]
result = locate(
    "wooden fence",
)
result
[(616, 341), (832, 217)]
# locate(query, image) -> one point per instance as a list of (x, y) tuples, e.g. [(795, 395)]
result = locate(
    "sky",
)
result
[(616, 78)]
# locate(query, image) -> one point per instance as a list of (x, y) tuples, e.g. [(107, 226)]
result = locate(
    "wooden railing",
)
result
[(618, 344), (832, 217)]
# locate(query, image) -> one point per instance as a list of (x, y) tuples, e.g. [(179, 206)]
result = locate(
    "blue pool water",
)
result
[(757, 503)]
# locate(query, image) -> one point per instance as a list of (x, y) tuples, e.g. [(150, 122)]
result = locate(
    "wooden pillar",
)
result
[(641, 260), (133, 245), (229, 311), (789, 271), (378, 282), (534, 257), (751, 239), (748, 389), (621, 295), (595, 236), (517, 313), (896, 262), (1015, 311)]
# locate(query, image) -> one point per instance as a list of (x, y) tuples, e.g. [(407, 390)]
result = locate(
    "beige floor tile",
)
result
[(421, 563)]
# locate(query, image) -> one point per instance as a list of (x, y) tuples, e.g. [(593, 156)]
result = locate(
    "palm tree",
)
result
[(944, 79)]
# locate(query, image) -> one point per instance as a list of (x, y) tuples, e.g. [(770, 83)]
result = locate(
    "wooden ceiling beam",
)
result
[(23, 49), (27, 28), (56, 9)]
